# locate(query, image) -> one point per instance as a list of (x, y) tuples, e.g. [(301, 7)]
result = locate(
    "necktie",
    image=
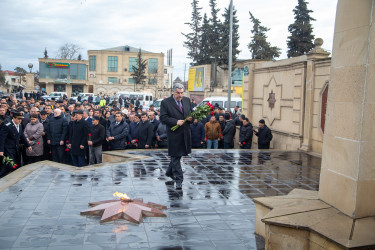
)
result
[(179, 104), (116, 123), (18, 128)]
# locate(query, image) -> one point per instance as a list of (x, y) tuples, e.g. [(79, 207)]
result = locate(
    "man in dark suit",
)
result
[(10, 136), (78, 140), (145, 133), (173, 111)]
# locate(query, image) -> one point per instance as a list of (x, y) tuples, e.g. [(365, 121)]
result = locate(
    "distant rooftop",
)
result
[(127, 49)]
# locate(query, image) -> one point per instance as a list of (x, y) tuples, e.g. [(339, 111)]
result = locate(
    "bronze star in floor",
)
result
[(131, 210)]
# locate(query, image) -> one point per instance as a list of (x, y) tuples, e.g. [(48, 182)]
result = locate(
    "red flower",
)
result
[(50, 152), (221, 134), (136, 140), (67, 149), (212, 113), (89, 134), (37, 143), (15, 166), (243, 143), (67, 141)]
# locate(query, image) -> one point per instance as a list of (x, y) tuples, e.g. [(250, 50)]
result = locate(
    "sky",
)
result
[(28, 27)]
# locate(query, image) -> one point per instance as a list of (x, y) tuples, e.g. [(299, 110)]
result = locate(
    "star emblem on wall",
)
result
[(132, 210)]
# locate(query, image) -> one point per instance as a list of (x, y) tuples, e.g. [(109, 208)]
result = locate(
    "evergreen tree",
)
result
[(45, 53), (2, 77), (223, 58), (79, 57), (204, 44), (139, 71), (259, 47), (215, 31), (193, 38), (20, 71), (301, 36)]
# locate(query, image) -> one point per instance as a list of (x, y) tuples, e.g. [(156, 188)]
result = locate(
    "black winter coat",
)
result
[(133, 131), (246, 134), (97, 135), (264, 137), (228, 132), (179, 141), (197, 134), (119, 132), (145, 134), (57, 130), (78, 137)]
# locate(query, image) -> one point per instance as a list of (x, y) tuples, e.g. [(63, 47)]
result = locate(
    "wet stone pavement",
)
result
[(214, 210)]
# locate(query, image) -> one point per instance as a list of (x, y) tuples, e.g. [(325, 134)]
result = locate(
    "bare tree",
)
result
[(68, 51)]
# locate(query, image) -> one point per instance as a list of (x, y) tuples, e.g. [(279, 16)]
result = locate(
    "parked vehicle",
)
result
[(222, 101), (84, 96), (145, 98), (56, 95)]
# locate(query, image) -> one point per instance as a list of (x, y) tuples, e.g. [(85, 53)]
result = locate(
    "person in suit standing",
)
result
[(117, 133), (173, 111), (145, 133), (78, 140), (11, 135)]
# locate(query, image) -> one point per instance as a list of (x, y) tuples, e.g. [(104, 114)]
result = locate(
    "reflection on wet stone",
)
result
[(214, 210)]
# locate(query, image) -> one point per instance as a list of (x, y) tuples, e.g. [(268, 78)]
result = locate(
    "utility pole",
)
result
[(230, 54), (184, 72)]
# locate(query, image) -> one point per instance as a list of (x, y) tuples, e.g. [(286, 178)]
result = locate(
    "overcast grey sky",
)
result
[(27, 27)]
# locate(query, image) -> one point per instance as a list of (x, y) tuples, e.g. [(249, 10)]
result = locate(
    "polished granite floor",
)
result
[(214, 210)]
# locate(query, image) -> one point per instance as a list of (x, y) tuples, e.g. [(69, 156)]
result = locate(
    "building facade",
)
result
[(61, 75), (110, 71), (12, 82)]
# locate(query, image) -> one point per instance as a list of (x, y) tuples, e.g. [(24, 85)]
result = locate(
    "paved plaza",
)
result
[(214, 210)]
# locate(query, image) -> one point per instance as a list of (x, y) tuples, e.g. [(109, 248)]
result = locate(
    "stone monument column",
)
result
[(347, 180)]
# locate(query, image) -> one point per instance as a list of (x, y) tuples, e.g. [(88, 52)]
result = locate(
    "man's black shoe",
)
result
[(178, 185), (169, 183)]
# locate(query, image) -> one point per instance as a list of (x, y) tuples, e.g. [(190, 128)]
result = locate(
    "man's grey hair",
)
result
[(85, 111), (178, 86)]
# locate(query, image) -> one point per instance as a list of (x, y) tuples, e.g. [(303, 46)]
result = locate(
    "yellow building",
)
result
[(110, 70), (62, 75)]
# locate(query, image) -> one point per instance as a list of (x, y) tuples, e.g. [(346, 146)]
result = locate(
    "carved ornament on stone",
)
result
[(271, 100)]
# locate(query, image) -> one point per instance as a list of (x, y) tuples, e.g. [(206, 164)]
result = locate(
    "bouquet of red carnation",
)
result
[(200, 113)]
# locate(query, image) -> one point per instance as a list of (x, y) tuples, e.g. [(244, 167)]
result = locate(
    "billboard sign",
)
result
[(196, 79)]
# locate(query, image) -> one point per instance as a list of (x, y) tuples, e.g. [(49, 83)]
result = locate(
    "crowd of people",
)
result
[(77, 133)]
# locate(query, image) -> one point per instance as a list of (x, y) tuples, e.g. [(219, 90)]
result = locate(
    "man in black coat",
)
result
[(173, 111), (95, 141), (228, 132), (264, 135), (246, 134), (133, 132), (197, 134), (46, 147), (11, 134), (56, 135), (78, 140), (145, 133), (117, 133), (155, 123)]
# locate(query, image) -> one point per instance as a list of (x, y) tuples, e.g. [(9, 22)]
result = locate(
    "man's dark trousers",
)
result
[(58, 153), (174, 169)]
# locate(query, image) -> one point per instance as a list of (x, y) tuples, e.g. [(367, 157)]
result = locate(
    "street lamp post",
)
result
[(30, 65), (230, 54)]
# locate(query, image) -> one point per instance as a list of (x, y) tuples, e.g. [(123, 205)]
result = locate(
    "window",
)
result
[(131, 81), (132, 62), (81, 71), (112, 63), (44, 71), (165, 71), (153, 65), (92, 63), (64, 73), (153, 81), (112, 79)]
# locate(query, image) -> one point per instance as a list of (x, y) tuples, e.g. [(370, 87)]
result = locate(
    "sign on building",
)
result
[(196, 79)]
